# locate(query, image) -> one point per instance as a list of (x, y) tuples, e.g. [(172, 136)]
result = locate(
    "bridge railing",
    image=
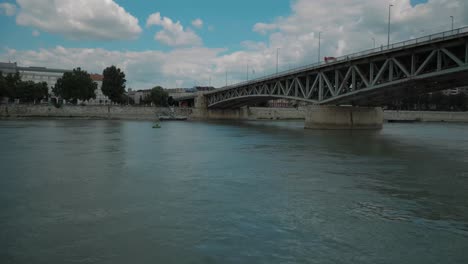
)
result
[(416, 41)]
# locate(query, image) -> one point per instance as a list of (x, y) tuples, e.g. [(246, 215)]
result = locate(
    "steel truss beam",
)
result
[(343, 82)]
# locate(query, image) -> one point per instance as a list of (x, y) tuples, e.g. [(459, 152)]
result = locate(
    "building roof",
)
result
[(97, 77)]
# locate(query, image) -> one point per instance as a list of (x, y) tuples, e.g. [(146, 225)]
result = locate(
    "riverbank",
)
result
[(425, 116), (142, 113), (250, 113), (90, 112)]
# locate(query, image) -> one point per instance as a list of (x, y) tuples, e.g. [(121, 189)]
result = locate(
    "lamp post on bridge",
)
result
[(320, 33), (277, 58), (452, 21), (374, 42), (388, 38)]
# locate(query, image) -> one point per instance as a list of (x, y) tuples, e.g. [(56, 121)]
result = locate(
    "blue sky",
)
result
[(232, 22), (94, 33)]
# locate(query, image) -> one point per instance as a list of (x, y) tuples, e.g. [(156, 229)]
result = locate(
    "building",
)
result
[(280, 103), (178, 92), (35, 74), (456, 91), (138, 96), (50, 76)]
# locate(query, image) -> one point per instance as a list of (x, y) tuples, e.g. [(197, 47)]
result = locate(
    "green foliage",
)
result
[(30, 92), (171, 101), (113, 85), (8, 84), (76, 85), (2, 86), (11, 86), (146, 100), (159, 96)]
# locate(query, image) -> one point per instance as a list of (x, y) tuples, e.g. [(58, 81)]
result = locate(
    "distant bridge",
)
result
[(371, 77)]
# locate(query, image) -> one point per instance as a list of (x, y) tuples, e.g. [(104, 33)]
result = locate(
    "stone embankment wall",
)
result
[(97, 112), (260, 113), (426, 116), (246, 113), (251, 113)]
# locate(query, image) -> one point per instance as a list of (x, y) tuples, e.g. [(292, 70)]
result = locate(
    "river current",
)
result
[(85, 191)]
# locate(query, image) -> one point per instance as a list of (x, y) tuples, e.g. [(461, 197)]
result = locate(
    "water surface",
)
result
[(81, 191)]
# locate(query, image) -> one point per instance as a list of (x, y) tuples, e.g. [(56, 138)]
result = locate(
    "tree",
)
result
[(171, 101), (2, 86), (113, 84), (11, 82), (158, 96), (75, 85), (31, 92)]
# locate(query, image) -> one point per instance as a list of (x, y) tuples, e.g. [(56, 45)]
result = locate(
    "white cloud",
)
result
[(84, 19), (144, 69), (36, 33), (349, 25), (172, 34), (198, 23), (263, 28), (7, 9)]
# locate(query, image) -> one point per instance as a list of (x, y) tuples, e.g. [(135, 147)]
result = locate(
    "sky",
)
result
[(184, 43)]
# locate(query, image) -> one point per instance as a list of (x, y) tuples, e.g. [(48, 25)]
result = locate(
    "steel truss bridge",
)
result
[(372, 77)]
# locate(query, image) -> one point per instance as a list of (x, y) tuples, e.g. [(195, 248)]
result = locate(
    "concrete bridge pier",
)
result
[(200, 107), (343, 117)]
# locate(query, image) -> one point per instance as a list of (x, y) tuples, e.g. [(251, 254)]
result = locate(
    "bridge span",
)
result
[(367, 78)]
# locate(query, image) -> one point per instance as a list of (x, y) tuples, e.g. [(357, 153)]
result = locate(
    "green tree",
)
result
[(2, 86), (158, 96), (171, 101), (75, 85), (11, 82), (113, 84), (31, 92)]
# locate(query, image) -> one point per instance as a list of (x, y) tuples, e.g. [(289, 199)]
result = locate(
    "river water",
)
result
[(81, 191)]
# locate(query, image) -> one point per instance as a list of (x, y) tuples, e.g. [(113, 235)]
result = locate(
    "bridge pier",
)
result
[(343, 117), (201, 107)]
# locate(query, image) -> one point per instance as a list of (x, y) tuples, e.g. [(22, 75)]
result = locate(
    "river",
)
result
[(86, 191)]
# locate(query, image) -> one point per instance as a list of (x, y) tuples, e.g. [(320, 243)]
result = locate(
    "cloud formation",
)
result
[(172, 34), (7, 9), (348, 26), (198, 23), (84, 19)]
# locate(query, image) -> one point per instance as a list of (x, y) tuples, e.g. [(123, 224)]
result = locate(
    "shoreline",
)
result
[(47, 112)]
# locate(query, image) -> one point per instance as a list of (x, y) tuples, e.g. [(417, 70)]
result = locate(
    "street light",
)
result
[(277, 57), (388, 39), (374, 42), (319, 47), (452, 21)]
